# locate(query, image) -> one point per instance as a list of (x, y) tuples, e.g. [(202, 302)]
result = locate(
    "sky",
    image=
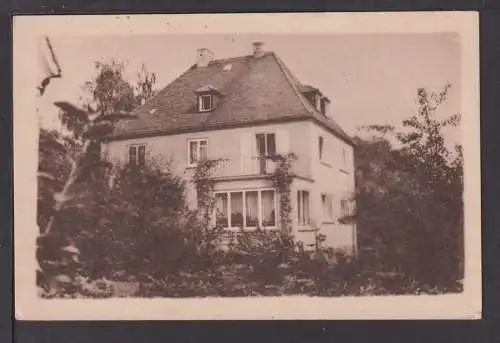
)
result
[(370, 79)]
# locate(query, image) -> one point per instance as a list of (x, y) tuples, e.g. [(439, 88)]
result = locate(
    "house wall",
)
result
[(334, 175), (236, 146)]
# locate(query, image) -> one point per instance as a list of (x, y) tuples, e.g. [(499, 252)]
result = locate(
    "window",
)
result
[(137, 155), (197, 150), (266, 144), (318, 102), (245, 209), (268, 209), (323, 106), (237, 209), (205, 103), (303, 207), (327, 204), (345, 208), (320, 147)]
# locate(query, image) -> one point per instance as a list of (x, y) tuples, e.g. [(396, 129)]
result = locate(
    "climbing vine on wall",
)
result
[(204, 184), (282, 179)]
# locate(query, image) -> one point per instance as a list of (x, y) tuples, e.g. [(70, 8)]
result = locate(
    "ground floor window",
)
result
[(346, 208), (303, 207), (246, 209)]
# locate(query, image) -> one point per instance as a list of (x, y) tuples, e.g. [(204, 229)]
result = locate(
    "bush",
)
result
[(133, 229)]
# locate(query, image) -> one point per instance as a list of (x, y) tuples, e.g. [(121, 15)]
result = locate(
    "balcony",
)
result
[(244, 166)]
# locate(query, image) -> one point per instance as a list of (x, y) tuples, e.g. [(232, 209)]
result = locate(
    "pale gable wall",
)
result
[(332, 175)]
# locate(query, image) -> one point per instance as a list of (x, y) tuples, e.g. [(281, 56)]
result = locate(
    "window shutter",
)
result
[(260, 143), (282, 142), (247, 152)]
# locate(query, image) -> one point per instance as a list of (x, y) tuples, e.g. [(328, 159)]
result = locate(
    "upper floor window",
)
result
[(303, 213), (266, 144), (320, 147), (197, 150), (137, 155), (205, 103)]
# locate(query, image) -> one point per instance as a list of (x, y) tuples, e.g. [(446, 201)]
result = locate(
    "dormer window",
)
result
[(205, 103), (323, 106), (316, 98), (319, 102), (207, 98)]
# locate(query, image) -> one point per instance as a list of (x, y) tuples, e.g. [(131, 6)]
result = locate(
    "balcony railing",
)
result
[(257, 165)]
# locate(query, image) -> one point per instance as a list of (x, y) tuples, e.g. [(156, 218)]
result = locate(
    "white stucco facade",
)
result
[(329, 176)]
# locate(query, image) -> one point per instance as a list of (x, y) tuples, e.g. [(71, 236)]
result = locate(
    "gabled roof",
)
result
[(254, 90)]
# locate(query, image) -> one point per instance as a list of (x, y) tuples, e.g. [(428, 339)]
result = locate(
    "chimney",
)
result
[(203, 57), (258, 50)]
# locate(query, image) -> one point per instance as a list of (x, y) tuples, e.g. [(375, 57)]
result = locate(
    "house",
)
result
[(238, 110)]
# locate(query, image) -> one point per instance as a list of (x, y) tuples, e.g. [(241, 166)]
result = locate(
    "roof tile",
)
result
[(253, 90)]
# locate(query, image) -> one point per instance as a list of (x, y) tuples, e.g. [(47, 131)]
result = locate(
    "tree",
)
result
[(133, 228), (409, 196), (69, 163), (111, 98)]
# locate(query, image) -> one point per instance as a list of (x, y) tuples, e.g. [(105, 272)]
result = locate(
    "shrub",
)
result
[(131, 229)]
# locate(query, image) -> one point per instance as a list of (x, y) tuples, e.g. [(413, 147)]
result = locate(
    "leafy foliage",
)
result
[(282, 178), (69, 164), (132, 226), (409, 198)]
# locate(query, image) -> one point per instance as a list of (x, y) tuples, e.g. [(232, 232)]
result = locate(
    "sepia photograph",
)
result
[(163, 161)]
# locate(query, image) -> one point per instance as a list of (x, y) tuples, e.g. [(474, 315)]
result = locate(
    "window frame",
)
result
[(317, 101), (266, 143), (321, 147), (260, 218), (137, 162), (200, 102), (327, 205), (323, 106), (197, 141), (301, 220)]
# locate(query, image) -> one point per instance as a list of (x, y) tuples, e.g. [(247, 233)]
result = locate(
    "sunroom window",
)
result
[(246, 209)]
